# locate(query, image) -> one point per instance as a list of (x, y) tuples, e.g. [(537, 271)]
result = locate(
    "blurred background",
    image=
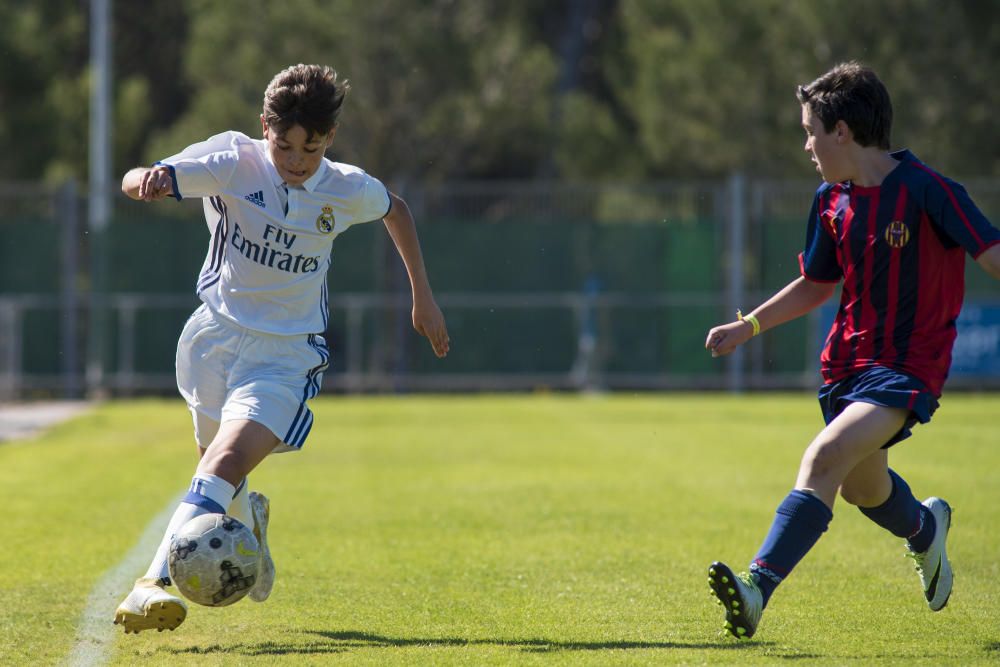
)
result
[(596, 182)]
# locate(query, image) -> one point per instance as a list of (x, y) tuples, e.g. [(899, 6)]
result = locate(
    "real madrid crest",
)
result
[(897, 234), (324, 222)]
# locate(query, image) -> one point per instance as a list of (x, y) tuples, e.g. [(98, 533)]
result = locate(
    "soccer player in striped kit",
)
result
[(250, 358), (895, 233)]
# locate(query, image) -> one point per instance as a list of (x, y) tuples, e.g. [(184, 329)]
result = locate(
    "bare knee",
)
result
[(822, 459), (224, 462), (236, 449)]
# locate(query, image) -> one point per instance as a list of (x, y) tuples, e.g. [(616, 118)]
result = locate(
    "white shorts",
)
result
[(226, 372)]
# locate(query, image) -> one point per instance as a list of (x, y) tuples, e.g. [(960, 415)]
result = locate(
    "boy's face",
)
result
[(828, 149), (296, 155)]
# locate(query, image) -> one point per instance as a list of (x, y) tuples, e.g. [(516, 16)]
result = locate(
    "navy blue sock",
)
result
[(921, 540), (798, 523), (903, 515)]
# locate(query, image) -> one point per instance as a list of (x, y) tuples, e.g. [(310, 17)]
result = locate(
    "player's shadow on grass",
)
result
[(345, 641), (354, 639)]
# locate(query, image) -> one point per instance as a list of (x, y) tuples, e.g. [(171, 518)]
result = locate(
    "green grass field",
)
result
[(538, 530)]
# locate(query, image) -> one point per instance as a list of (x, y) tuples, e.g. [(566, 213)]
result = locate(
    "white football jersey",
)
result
[(265, 269)]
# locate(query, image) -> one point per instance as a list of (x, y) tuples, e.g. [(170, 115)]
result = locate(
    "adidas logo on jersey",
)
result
[(256, 198)]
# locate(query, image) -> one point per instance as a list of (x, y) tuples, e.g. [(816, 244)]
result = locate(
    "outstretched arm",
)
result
[(427, 317), (148, 184), (796, 299), (990, 261)]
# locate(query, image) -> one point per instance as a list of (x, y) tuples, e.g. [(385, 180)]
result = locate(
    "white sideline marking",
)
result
[(96, 631)]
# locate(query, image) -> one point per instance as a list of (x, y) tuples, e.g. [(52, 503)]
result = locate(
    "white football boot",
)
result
[(932, 565), (261, 507), (741, 598), (149, 606)]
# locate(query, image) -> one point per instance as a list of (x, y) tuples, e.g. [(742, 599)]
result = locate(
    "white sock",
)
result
[(240, 508), (208, 494)]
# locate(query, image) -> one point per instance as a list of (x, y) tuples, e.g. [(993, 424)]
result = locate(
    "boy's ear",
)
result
[(844, 133), (329, 138), (263, 126)]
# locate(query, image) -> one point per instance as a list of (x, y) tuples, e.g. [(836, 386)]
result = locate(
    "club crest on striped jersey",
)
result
[(897, 234), (831, 218), (325, 221)]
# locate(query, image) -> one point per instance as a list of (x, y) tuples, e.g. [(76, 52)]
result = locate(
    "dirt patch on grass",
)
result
[(23, 420)]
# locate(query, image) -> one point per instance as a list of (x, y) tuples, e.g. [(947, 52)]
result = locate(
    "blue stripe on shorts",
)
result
[(302, 424)]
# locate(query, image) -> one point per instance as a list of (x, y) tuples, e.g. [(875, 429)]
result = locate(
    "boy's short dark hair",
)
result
[(854, 94), (306, 95)]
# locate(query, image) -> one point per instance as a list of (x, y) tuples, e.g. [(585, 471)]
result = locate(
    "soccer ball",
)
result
[(213, 560)]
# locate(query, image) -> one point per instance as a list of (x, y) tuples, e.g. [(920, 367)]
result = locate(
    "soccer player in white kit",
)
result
[(251, 356)]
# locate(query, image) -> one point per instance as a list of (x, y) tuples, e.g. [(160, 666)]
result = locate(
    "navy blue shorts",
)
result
[(880, 386)]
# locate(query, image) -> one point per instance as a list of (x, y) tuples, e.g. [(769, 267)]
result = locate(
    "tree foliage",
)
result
[(445, 90)]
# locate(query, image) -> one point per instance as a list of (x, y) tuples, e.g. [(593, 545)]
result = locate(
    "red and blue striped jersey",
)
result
[(900, 249)]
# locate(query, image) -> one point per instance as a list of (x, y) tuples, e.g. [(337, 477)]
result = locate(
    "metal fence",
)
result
[(563, 286)]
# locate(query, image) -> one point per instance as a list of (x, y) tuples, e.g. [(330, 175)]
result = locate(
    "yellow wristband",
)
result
[(752, 319)]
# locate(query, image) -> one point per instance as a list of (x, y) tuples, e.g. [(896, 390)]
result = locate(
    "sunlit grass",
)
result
[(507, 530)]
